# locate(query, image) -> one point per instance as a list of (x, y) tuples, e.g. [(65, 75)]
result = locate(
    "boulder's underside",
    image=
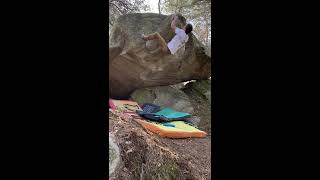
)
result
[(135, 63)]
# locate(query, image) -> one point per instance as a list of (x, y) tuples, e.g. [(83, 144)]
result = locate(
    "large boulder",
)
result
[(199, 93), (164, 96), (134, 63)]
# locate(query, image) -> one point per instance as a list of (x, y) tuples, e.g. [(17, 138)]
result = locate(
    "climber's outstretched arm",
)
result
[(173, 23)]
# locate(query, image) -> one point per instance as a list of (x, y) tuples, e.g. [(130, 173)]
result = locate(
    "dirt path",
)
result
[(195, 150)]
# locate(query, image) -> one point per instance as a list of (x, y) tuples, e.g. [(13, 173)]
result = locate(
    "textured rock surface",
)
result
[(178, 86), (164, 96), (195, 120), (114, 155), (135, 63), (199, 93), (203, 87)]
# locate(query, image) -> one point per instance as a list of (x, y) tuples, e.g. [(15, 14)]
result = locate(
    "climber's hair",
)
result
[(188, 28)]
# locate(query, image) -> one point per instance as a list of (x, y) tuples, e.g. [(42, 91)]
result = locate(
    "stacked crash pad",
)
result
[(178, 128)]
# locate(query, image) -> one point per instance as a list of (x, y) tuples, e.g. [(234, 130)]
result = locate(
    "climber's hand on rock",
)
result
[(174, 17)]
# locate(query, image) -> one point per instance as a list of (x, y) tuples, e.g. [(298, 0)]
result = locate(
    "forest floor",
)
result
[(145, 155)]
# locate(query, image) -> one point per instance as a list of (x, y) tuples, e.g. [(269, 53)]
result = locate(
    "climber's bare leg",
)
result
[(156, 35), (150, 36), (163, 44)]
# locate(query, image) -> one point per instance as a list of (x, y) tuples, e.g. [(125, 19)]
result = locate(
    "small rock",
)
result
[(195, 120)]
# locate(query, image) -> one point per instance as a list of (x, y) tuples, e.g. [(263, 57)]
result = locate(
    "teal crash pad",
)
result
[(170, 114)]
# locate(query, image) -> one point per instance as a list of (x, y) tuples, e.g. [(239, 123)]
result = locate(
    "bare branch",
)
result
[(119, 9)]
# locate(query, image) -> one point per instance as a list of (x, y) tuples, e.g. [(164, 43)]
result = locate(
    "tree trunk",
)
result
[(207, 32), (159, 6)]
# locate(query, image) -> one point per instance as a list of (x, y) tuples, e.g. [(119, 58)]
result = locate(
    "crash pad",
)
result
[(180, 130), (150, 108), (126, 104), (170, 114), (164, 115)]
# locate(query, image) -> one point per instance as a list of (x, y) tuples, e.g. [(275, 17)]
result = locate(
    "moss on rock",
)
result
[(202, 87)]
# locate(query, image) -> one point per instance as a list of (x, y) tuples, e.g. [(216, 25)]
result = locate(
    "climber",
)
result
[(176, 42)]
